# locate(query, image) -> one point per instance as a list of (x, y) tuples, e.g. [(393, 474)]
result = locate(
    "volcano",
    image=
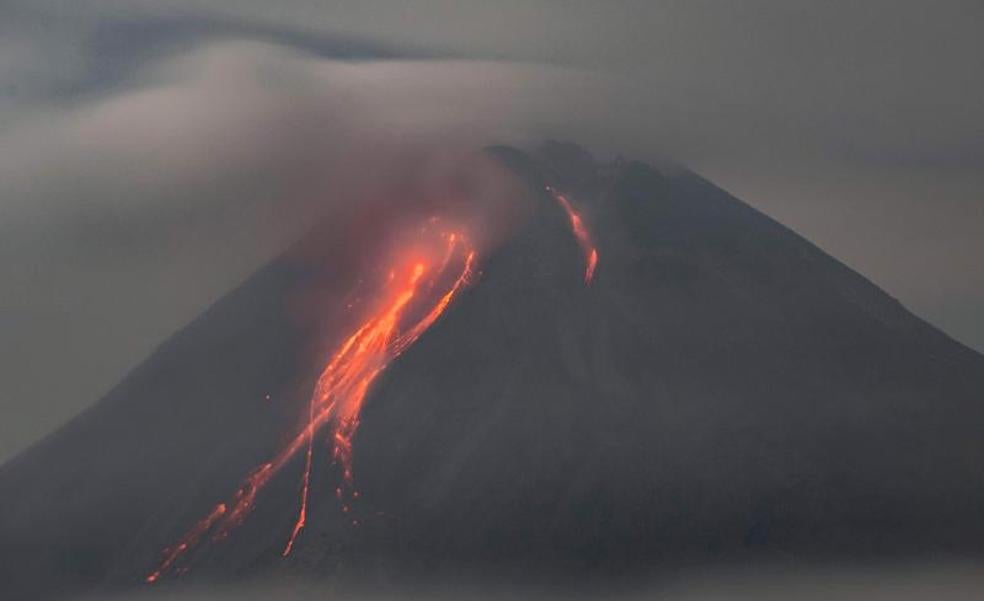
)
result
[(646, 373)]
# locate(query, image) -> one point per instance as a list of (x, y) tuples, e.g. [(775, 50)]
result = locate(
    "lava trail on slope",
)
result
[(424, 279), (581, 233)]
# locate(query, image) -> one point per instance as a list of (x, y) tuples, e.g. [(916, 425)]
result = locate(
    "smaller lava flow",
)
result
[(581, 233), (421, 285)]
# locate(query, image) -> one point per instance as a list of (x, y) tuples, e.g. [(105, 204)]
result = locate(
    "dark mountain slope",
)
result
[(724, 388), (723, 391)]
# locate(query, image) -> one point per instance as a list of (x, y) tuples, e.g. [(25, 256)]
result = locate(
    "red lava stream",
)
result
[(581, 233), (424, 279), (419, 287)]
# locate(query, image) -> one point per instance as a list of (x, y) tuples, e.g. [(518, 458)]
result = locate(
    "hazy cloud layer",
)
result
[(152, 154), (954, 581)]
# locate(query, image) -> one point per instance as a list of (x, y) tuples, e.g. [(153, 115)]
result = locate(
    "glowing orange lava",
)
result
[(346, 379), (582, 235)]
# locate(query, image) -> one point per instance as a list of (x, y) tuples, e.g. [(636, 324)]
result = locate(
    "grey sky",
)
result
[(153, 153)]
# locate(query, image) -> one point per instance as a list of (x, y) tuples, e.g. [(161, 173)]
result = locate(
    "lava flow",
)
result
[(581, 233), (419, 289)]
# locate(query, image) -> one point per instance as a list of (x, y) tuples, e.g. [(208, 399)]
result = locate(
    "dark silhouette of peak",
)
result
[(723, 391), (566, 163)]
